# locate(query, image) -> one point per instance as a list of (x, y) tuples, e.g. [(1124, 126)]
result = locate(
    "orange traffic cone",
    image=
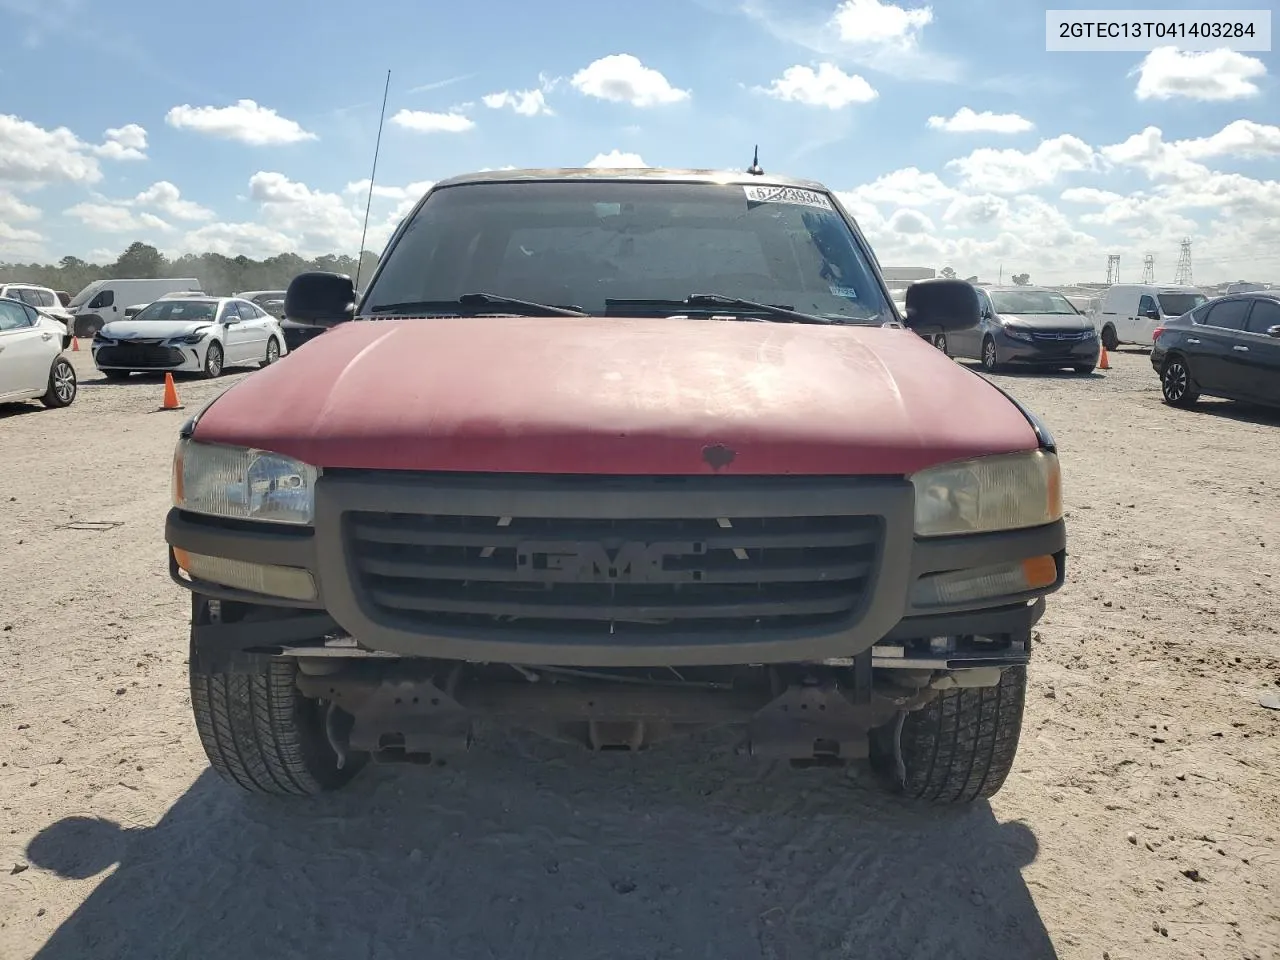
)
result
[(1104, 362), (170, 394), (75, 344)]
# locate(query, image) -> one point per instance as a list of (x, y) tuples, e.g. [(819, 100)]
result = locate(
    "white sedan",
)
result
[(32, 366), (189, 334)]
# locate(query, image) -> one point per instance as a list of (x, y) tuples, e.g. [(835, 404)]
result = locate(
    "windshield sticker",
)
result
[(794, 195), (849, 293)]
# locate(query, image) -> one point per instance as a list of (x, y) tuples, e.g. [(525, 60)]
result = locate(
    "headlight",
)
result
[(1005, 492), (242, 484), (192, 338), (1018, 333)]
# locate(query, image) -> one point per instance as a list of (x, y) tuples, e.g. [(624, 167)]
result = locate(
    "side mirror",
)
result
[(320, 298), (941, 306), (1273, 331), (1153, 314)]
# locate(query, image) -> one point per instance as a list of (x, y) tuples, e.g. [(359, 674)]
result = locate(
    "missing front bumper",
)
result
[(429, 713)]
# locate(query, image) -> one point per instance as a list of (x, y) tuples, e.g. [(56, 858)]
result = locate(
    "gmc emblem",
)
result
[(564, 561)]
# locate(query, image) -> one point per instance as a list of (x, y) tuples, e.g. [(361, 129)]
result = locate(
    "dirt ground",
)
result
[(1140, 822)]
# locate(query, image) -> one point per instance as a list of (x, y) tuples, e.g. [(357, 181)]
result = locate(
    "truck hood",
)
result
[(563, 395), (152, 329)]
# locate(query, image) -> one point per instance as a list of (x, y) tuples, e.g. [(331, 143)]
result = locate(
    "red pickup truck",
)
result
[(617, 456)]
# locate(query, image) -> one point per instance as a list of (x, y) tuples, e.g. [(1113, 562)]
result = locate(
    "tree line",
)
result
[(218, 274)]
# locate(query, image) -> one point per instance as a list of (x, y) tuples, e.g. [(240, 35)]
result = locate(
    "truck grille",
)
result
[(139, 355), (576, 576)]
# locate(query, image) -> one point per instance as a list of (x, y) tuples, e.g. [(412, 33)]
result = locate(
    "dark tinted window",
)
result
[(1176, 304), (106, 298), (1229, 314), (1264, 316), (247, 310), (45, 298), (580, 243), (1145, 304)]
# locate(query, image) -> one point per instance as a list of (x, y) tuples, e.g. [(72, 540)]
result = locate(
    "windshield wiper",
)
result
[(705, 300), (475, 300)]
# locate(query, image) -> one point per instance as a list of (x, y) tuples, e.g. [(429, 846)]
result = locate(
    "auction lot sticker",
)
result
[(805, 198)]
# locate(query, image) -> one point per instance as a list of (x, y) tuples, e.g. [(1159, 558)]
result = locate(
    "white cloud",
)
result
[(238, 239), (107, 217), (976, 211), (412, 191), (1013, 171), (1089, 195), (883, 36), (828, 86), (165, 197), (1148, 152), (622, 78), (527, 103), (21, 245), (31, 156), (297, 218), (420, 121), (1240, 138), (910, 222), (1214, 75), (966, 120), (14, 210), (908, 187), (124, 143), (870, 22), (616, 159), (245, 121)]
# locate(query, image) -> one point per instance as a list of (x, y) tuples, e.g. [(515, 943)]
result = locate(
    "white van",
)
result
[(1131, 311), (105, 300)]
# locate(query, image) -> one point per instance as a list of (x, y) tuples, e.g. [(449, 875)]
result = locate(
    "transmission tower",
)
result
[(1113, 268), (1183, 274), (1149, 269)]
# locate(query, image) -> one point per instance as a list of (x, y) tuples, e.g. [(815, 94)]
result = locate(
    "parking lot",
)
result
[(1141, 820)]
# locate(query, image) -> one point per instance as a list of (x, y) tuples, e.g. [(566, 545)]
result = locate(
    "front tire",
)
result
[(117, 375), (213, 361), (1084, 369), (63, 385), (273, 352), (961, 746), (1177, 385), (990, 359), (261, 734)]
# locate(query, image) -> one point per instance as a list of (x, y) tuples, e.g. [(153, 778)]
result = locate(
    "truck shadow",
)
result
[(534, 852)]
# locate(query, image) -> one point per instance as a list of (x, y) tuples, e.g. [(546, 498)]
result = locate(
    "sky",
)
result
[(947, 130)]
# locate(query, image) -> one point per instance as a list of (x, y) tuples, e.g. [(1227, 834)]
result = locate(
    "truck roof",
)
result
[(657, 174)]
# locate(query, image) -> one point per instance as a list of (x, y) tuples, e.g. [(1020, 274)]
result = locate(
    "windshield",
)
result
[(178, 310), (1176, 304), (87, 293), (580, 244), (1031, 302)]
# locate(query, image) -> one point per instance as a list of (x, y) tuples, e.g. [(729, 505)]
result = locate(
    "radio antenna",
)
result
[(377, 146)]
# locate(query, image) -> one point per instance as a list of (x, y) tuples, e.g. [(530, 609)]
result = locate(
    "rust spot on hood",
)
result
[(718, 456)]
